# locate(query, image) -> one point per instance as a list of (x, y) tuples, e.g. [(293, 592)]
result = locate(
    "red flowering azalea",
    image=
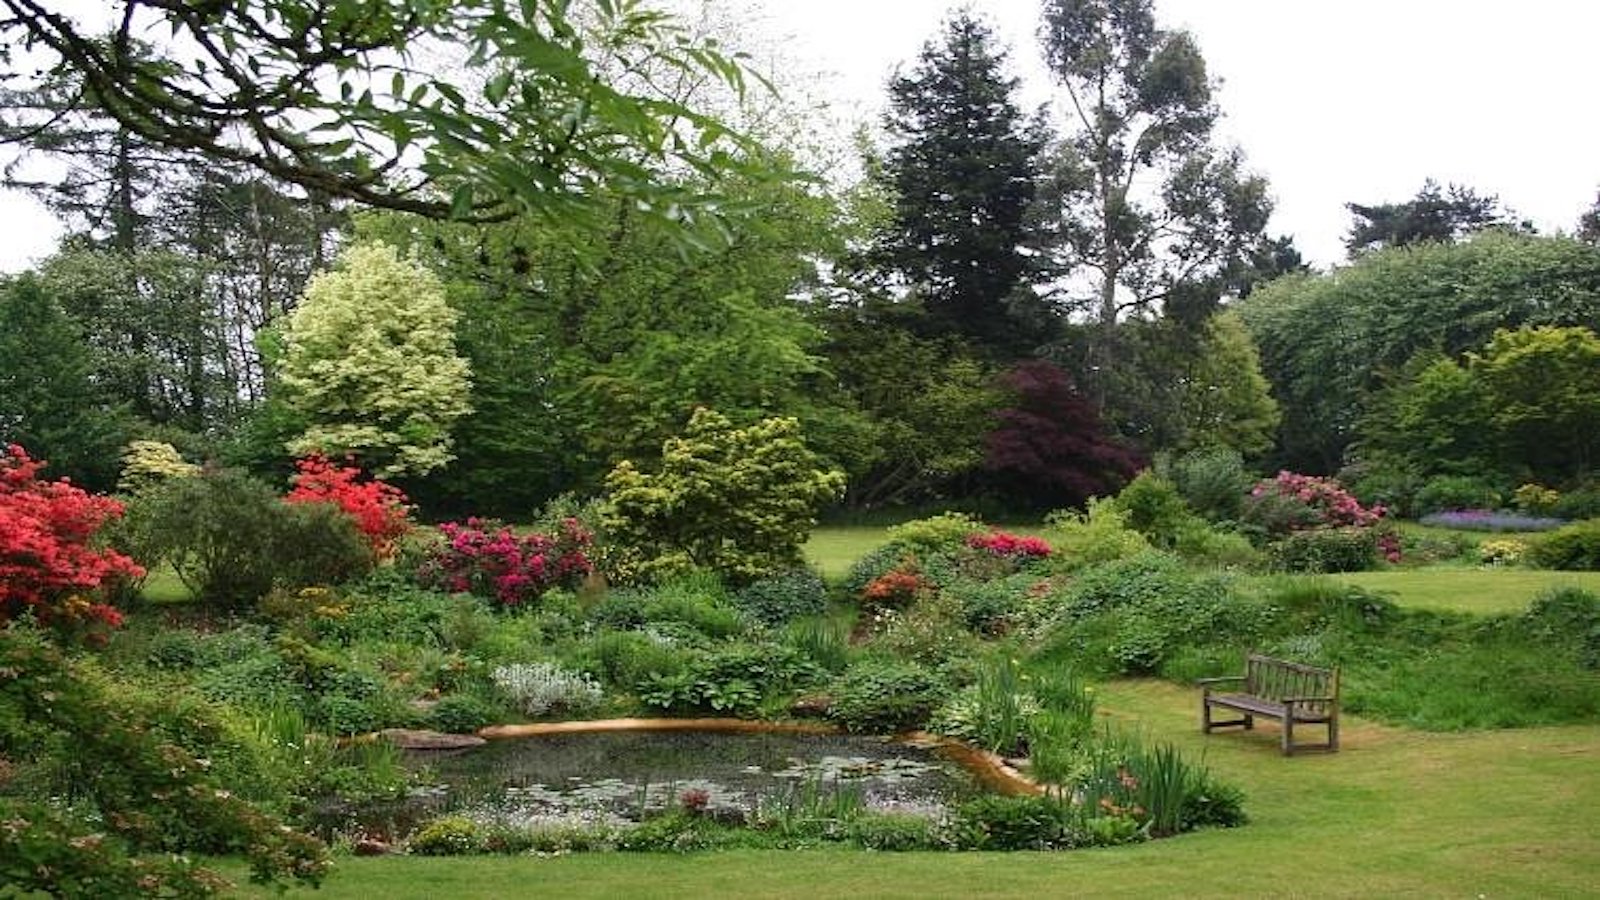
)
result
[(1011, 546), (378, 508), (47, 563)]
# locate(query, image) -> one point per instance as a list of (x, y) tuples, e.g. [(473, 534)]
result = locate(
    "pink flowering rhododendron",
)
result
[(1334, 505), (378, 508), (1008, 545), (47, 562), (1330, 506), (490, 560)]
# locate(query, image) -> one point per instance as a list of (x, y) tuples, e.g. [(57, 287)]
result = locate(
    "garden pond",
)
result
[(619, 776)]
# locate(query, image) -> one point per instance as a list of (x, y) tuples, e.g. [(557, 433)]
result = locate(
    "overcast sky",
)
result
[(1332, 100)]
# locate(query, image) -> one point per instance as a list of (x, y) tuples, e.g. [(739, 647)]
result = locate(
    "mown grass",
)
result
[(1481, 591), (1395, 813)]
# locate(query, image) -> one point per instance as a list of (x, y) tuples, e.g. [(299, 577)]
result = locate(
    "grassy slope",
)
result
[(1396, 813)]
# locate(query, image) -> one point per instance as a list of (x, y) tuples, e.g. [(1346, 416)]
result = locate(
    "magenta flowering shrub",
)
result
[(1326, 502), (488, 559), (1010, 546)]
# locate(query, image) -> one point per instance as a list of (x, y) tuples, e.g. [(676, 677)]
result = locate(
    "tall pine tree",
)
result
[(962, 168)]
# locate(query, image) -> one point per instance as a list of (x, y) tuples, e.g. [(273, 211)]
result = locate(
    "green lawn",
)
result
[(835, 548), (1395, 813), (1482, 591)]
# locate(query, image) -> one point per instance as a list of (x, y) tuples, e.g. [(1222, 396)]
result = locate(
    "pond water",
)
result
[(619, 776)]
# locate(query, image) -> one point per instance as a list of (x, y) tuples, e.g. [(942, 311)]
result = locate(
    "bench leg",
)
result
[(1288, 735), (1249, 723), (1333, 733)]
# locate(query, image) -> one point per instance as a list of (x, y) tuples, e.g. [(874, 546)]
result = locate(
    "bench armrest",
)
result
[(1219, 679)]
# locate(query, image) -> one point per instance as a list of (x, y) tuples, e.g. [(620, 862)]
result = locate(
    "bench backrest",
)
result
[(1275, 679)]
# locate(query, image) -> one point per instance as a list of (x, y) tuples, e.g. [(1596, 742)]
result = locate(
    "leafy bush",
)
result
[(49, 564), (879, 696), (1212, 482), (1573, 548), (628, 659), (1100, 534), (1582, 502), (996, 822), (1567, 617), (1448, 492), (447, 836), (487, 559), (737, 501), (697, 600), (231, 539), (732, 678), (1502, 552), (936, 534), (462, 713), (219, 531), (1536, 499), (1325, 550), (318, 544), (1203, 546), (782, 597), (542, 688), (146, 464), (1154, 508)]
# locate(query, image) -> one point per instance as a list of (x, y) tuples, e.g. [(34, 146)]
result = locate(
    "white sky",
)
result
[(1332, 100)]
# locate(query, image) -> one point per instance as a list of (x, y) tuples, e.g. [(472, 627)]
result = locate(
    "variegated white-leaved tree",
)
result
[(370, 361)]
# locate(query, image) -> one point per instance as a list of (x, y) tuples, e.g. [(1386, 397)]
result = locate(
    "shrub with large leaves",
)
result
[(737, 501)]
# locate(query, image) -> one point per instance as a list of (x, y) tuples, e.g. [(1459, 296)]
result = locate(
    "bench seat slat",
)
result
[(1261, 707)]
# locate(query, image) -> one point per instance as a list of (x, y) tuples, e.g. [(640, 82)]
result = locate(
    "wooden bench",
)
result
[(1291, 692)]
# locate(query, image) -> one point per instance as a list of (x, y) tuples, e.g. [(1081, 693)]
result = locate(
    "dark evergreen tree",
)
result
[(49, 402), (1434, 214), (962, 170)]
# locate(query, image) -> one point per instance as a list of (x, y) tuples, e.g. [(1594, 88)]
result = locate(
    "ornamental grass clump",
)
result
[(541, 688)]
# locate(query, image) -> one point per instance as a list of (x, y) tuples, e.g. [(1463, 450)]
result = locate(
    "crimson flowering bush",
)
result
[(378, 508), (47, 561), (486, 558), (1010, 546)]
